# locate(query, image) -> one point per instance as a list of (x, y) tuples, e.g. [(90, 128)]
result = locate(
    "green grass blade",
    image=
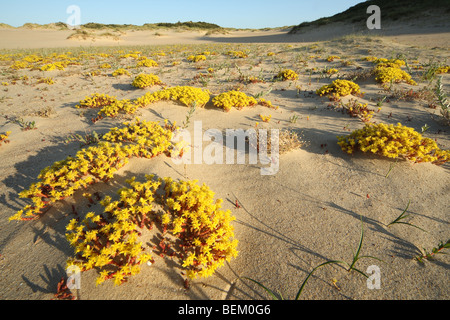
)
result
[(264, 287), (310, 274)]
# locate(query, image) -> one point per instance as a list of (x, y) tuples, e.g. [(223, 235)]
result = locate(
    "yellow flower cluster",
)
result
[(196, 58), (237, 54), (96, 100), (356, 109), (332, 71), (265, 118), (443, 69), (134, 55), (146, 80), (332, 58), (390, 71), (4, 137), (17, 65), (190, 214), (105, 66), (204, 229), (287, 74), (339, 88), (145, 62), (59, 65), (94, 164), (397, 62), (146, 139), (394, 142), (267, 103), (111, 106), (185, 94), (121, 72), (63, 178), (270, 54), (48, 81), (233, 99), (111, 244), (369, 58)]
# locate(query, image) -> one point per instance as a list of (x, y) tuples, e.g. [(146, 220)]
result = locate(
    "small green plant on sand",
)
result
[(436, 250), (349, 266), (402, 216)]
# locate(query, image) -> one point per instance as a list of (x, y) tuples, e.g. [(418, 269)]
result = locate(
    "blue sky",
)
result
[(231, 13)]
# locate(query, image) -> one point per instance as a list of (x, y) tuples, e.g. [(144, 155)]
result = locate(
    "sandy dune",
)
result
[(309, 212)]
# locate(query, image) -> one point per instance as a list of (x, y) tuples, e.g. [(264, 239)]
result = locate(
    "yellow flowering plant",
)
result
[(233, 99), (196, 58), (237, 54), (146, 80), (121, 72), (4, 137), (287, 74), (391, 72), (94, 164), (48, 81), (185, 94), (339, 88), (332, 58), (147, 63), (205, 231), (265, 118), (394, 142)]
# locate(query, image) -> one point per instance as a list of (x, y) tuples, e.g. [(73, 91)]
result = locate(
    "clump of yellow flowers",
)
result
[(390, 71), (146, 139), (145, 62), (443, 69), (146, 80), (237, 54), (121, 72), (109, 241), (93, 164), (110, 106), (96, 100), (4, 137), (59, 65), (48, 81), (287, 74), (332, 58), (265, 118), (339, 88), (196, 58), (394, 142), (205, 230), (187, 95), (233, 99)]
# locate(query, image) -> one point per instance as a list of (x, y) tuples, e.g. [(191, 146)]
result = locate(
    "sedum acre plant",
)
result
[(94, 164), (121, 72), (185, 94), (4, 137), (339, 88), (196, 58), (110, 241), (145, 81), (233, 99), (287, 74), (391, 72), (394, 142)]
